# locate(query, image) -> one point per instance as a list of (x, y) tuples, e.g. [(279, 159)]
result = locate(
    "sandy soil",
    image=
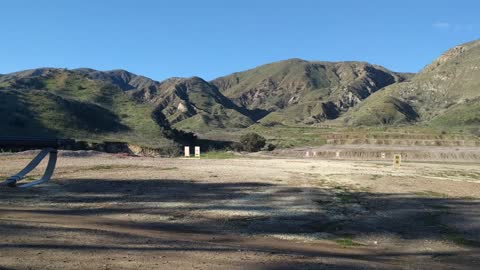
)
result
[(111, 212)]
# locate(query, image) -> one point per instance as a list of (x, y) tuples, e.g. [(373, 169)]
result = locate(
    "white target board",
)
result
[(187, 151), (197, 151)]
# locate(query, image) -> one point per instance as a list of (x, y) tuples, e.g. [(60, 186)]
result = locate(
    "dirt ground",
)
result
[(111, 212)]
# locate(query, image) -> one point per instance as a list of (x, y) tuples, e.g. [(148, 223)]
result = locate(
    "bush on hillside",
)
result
[(475, 131), (252, 142), (236, 146), (268, 147)]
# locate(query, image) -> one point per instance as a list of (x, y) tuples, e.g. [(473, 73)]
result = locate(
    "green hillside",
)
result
[(305, 92), (70, 104), (445, 94)]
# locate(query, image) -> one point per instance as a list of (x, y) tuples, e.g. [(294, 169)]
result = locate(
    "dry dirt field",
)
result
[(112, 212)]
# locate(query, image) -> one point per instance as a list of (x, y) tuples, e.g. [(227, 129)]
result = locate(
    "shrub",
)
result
[(475, 131), (268, 147), (172, 151), (237, 147), (252, 142)]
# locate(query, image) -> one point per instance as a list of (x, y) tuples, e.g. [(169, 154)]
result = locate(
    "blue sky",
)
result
[(208, 38)]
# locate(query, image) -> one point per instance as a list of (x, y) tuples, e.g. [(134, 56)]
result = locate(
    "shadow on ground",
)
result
[(262, 209)]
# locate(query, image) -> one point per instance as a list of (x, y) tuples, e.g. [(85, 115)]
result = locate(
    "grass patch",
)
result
[(101, 167), (218, 155), (459, 239), (287, 136), (319, 182), (469, 198), (432, 220), (168, 169), (323, 201), (431, 194), (347, 198), (347, 242), (111, 167), (458, 173), (449, 234), (440, 207), (328, 227), (292, 136)]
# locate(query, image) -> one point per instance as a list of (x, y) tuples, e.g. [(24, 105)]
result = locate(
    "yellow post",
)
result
[(397, 160)]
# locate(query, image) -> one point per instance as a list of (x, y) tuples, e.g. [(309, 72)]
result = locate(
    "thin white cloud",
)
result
[(441, 25), (463, 27), (456, 27)]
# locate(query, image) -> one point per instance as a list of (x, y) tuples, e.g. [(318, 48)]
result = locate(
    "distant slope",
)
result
[(193, 103), (445, 93), (121, 78), (77, 104), (187, 103), (299, 91)]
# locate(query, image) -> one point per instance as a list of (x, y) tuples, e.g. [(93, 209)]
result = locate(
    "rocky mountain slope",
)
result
[(445, 93), (193, 103), (299, 91)]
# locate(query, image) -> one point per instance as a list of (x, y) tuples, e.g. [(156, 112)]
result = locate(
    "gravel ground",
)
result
[(114, 212)]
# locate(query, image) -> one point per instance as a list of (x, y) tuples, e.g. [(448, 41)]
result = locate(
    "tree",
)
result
[(252, 142)]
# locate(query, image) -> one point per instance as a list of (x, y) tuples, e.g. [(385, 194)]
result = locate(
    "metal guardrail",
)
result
[(49, 146)]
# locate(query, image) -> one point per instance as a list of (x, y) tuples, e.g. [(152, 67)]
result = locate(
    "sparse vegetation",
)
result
[(431, 194), (112, 167), (347, 242)]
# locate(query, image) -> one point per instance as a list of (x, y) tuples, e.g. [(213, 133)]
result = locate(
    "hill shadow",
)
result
[(17, 118), (23, 118)]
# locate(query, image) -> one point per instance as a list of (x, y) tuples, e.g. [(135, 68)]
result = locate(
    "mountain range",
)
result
[(121, 106)]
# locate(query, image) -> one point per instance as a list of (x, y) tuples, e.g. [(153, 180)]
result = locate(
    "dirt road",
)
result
[(107, 212)]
